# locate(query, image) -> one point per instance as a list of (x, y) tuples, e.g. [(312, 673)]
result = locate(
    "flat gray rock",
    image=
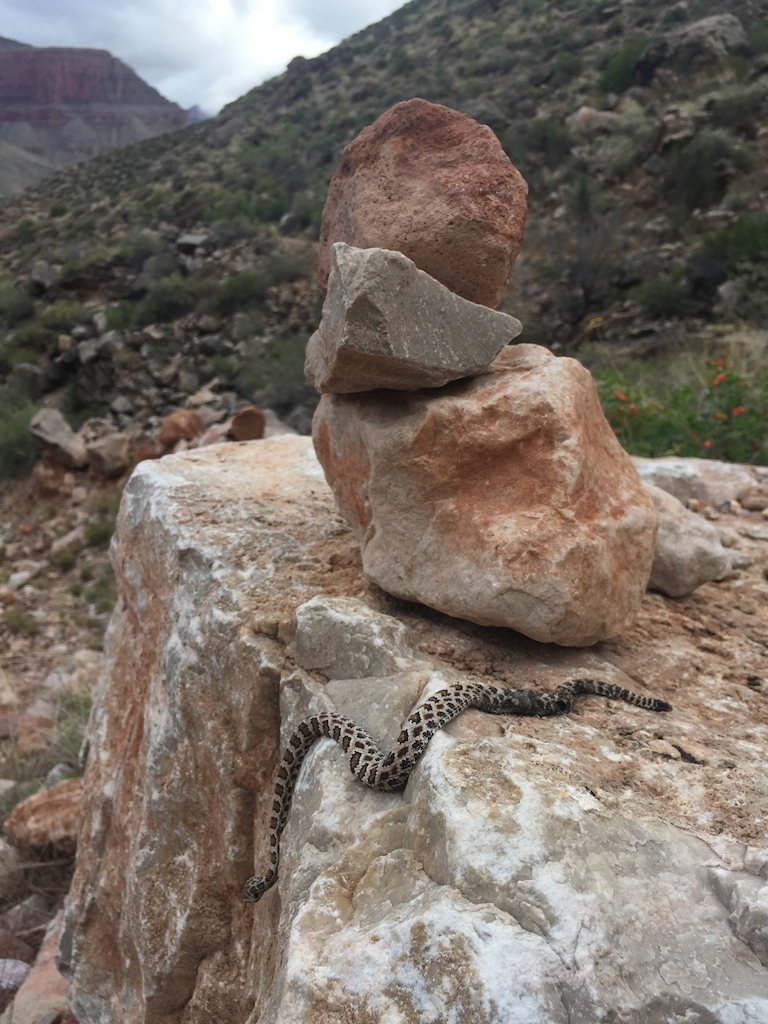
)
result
[(387, 324)]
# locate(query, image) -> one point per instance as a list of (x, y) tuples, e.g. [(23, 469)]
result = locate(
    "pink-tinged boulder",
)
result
[(43, 993), (437, 186), (387, 324), (49, 818), (505, 499)]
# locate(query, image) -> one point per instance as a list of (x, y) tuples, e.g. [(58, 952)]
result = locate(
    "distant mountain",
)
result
[(59, 106), (197, 114)]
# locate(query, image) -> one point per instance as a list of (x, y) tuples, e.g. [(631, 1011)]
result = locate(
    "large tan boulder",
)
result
[(387, 324), (612, 860), (437, 186), (505, 499)]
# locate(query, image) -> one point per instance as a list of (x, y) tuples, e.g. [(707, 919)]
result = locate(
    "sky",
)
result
[(195, 52)]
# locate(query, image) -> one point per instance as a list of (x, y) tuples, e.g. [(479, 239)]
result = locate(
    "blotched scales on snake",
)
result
[(390, 771)]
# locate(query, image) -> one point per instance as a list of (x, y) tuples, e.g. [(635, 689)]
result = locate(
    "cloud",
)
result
[(205, 52)]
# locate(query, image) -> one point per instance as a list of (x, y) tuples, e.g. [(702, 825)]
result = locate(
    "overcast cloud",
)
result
[(204, 52)]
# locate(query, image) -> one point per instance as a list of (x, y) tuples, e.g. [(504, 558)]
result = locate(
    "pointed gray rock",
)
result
[(387, 324)]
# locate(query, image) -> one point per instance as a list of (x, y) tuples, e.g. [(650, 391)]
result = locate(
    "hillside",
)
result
[(641, 129)]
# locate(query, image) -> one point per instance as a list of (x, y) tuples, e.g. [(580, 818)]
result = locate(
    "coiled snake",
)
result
[(390, 771)]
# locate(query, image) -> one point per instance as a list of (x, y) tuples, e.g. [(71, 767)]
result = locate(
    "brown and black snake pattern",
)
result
[(390, 771)]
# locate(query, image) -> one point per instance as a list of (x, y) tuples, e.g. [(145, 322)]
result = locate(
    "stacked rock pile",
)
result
[(481, 480)]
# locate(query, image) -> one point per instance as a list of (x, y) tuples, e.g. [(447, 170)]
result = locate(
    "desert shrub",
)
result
[(99, 534), (118, 316), (62, 316), (664, 296), (291, 262), (697, 170), (15, 305), (103, 592), (18, 448), (167, 298), (540, 141), (273, 375), (757, 36), (565, 67), (20, 622), (617, 76), (136, 246), (239, 292), (27, 343), (737, 111)]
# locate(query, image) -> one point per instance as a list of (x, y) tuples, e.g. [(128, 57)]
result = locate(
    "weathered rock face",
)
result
[(62, 105), (505, 500), (387, 324), (688, 548), (437, 186), (50, 426), (200, 650), (707, 480), (708, 39), (576, 852)]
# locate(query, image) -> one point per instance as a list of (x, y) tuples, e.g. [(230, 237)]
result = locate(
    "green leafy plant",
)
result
[(722, 415), (18, 448)]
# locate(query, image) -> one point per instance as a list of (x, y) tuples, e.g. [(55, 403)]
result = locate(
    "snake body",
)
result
[(390, 771)]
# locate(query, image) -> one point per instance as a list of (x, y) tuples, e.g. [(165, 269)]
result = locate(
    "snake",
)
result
[(390, 771)]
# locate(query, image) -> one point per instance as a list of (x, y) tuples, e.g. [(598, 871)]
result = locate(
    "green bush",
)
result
[(721, 415), (664, 296), (20, 622), (738, 110), (565, 67), (167, 298), (617, 76), (15, 305), (103, 592), (18, 448), (239, 292), (27, 343), (136, 246), (696, 173)]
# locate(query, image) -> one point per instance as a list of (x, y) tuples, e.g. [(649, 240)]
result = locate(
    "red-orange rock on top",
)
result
[(437, 186)]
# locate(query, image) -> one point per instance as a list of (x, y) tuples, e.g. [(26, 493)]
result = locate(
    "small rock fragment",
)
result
[(247, 424), (688, 549), (50, 426), (182, 425), (49, 818), (387, 324)]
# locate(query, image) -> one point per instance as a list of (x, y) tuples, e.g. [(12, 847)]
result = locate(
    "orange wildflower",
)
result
[(621, 396), (718, 380), (738, 411), (720, 416), (707, 444)]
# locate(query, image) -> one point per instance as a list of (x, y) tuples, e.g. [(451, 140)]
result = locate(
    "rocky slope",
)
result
[(59, 106)]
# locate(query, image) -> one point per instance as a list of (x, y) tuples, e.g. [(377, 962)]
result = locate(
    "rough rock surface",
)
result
[(49, 818), (50, 426), (505, 499), (387, 324), (43, 993), (706, 480), (708, 39), (437, 186), (688, 548), (550, 870)]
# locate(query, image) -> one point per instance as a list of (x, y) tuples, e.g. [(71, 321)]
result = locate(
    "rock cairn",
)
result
[(480, 480)]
